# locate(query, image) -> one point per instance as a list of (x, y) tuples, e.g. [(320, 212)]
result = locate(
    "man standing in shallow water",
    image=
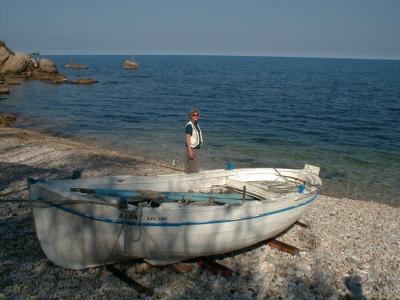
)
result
[(194, 140)]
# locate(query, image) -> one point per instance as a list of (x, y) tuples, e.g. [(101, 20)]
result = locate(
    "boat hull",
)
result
[(78, 236)]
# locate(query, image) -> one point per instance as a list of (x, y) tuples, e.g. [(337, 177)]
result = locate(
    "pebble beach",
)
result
[(349, 251)]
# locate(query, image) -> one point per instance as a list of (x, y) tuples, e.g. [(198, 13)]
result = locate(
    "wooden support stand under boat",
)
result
[(302, 224), (284, 247), (141, 267), (182, 267), (215, 267), (281, 246), (132, 283)]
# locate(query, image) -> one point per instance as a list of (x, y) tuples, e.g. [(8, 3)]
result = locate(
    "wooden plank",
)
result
[(301, 224), (251, 189), (132, 283), (281, 246), (141, 267), (215, 267), (182, 267)]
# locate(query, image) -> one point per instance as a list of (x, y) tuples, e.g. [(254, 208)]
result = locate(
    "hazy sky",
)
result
[(318, 28)]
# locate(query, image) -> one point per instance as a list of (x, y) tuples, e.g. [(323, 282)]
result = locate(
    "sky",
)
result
[(297, 28)]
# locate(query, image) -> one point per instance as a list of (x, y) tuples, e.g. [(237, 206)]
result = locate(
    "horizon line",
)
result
[(155, 53)]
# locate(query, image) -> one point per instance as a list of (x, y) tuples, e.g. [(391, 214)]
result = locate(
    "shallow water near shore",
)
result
[(339, 114)]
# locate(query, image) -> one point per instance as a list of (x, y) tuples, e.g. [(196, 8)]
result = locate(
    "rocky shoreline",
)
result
[(16, 67), (350, 250)]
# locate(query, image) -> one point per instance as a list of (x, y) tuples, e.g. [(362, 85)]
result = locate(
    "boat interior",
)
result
[(217, 187)]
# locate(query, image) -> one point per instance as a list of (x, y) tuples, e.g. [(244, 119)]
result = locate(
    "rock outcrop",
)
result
[(130, 64), (6, 119), (14, 81), (4, 91), (49, 77), (75, 66), (47, 66), (4, 52), (16, 66), (83, 81)]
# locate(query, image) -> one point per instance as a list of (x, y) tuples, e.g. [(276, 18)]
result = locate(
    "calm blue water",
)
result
[(339, 114)]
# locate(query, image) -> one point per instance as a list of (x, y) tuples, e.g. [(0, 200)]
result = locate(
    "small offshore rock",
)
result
[(13, 81), (83, 81), (75, 66), (130, 64), (4, 91), (50, 77), (6, 119), (58, 80)]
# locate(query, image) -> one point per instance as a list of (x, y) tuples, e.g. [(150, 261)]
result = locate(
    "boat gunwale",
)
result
[(184, 177), (295, 204), (293, 200)]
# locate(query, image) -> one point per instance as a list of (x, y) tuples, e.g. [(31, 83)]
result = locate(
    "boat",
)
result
[(164, 219)]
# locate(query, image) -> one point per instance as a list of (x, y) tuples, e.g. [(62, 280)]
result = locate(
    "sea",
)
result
[(339, 114)]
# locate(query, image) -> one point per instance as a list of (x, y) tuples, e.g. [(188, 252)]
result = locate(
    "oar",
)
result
[(164, 196)]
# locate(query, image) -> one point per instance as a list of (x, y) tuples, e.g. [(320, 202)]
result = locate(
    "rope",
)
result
[(168, 259), (138, 221), (280, 175), (68, 202), (13, 192), (116, 241), (288, 184), (123, 227)]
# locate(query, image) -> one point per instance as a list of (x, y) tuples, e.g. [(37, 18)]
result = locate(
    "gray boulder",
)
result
[(15, 63), (47, 66), (4, 54)]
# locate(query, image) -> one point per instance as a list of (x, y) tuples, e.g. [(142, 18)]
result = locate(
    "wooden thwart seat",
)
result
[(251, 189)]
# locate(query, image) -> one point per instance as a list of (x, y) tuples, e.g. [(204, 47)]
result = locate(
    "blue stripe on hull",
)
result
[(191, 223)]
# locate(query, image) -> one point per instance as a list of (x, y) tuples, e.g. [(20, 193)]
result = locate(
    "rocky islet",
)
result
[(15, 67), (22, 66)]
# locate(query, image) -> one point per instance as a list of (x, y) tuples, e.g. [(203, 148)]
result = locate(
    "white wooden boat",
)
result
[(83, 223)]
